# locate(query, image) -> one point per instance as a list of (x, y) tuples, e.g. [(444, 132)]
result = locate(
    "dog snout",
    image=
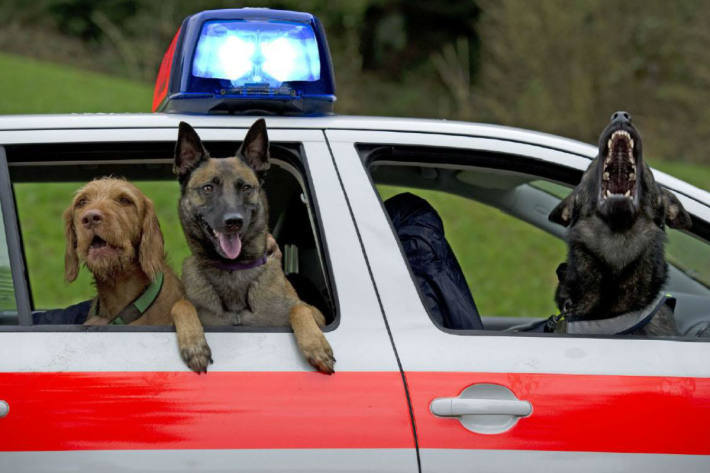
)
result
[(91, 218), (233, 221), (621, 116)]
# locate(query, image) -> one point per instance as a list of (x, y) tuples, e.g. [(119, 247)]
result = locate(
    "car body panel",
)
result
[(598, 394), (69, 389)]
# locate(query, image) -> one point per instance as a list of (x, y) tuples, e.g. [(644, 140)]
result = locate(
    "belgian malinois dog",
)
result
[(224, 214), (616, 218)]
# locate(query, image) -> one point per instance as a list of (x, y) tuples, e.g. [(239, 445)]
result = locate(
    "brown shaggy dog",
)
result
[(112, 228)]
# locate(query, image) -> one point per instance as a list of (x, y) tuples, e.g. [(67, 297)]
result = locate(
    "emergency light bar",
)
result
[(247, 61)]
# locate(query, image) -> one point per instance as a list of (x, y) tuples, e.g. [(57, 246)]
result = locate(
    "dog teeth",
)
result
[(605, 176), (607, 193), (608, 143), (632, 177), (627, 193)]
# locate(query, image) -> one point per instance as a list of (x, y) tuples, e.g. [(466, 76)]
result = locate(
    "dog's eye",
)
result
[(246, 187), (208, 188), (125, 201), (81, 202)]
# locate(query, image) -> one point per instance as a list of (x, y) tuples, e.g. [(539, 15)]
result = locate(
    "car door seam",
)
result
[(379, 302)]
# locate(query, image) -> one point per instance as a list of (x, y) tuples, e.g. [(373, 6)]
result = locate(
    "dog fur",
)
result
[(224, 214), (112, 228), (616, 218)]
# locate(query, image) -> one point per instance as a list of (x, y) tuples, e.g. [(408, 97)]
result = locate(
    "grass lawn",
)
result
[(509, 264), (31, 86)]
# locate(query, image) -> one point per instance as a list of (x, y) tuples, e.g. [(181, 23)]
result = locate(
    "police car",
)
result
[(408, 395)]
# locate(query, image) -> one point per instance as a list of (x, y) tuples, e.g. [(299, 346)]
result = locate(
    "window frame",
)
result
[(15, 250), (370, 153), (297, 160)]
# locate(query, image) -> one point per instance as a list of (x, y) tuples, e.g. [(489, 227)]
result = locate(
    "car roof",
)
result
[(78, 121), (170, 120)]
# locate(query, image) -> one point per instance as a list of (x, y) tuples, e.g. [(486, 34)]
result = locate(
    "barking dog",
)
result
[(224, 214), (616, 218), (112, 228)]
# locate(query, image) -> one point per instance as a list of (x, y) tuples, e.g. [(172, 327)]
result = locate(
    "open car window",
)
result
[(45, 177), (495, 218)]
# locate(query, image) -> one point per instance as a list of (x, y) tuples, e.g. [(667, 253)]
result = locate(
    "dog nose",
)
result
[(621, 116), (91, 218), (233, 221)]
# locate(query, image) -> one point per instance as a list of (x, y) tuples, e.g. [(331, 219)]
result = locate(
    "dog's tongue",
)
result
[(231, 244)]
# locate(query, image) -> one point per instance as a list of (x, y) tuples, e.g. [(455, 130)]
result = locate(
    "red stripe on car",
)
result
[(629, 414), (220, 410)]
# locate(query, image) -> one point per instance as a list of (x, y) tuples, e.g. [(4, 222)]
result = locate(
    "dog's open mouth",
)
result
[(619, 174), (100, 247), (228, 244), (97, 243)]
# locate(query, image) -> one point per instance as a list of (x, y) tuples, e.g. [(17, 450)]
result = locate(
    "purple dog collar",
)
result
[(237, 266)]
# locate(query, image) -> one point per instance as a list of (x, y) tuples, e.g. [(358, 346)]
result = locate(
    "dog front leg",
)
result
[(305, 321), (191, 337)]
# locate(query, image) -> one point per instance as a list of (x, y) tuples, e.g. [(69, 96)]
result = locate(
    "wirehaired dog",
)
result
[(112, 228), (224, 214), (616, 218)]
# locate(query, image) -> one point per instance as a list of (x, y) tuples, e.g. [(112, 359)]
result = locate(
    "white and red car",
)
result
[(121, 399)]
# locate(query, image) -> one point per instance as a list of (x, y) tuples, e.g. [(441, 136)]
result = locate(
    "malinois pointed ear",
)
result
[(676, 215), (562, 214), (255, 148), (189, 152)]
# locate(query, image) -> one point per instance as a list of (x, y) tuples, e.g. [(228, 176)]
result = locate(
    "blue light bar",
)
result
[(256, 52), (249, 60)]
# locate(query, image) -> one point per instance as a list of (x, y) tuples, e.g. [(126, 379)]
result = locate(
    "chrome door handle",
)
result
[(483, 408), (455, 407), (4, 408)]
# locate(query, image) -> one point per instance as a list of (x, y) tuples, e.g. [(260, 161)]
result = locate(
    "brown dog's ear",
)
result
[(151, 251), (71, 259), (676, 215), (189, 151), (255, 147), (562, 214)]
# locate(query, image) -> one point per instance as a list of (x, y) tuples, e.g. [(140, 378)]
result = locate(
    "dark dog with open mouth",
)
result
[(112, 228), (615, 263), (224, 214)]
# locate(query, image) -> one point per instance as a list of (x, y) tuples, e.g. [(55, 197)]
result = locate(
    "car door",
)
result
[(501, 402), (121, 398)]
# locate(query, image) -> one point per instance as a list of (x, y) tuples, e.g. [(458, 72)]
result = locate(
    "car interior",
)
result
[(149, 166), (529, 193)]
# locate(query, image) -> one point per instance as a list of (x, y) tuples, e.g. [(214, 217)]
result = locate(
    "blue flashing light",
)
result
[(256, 52), (250, 60)]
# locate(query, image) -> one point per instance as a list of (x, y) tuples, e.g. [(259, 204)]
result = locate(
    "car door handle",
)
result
[(483, 408), (455, 407)]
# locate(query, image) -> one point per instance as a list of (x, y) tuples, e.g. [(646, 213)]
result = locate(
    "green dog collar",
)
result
[(139, 306)]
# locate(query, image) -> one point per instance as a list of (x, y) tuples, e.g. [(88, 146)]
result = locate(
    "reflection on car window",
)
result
[(689, 254), (7, 290), (509, 265)]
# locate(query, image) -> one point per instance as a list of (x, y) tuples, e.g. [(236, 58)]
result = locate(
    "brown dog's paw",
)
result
[(197, 355), (318, 353)]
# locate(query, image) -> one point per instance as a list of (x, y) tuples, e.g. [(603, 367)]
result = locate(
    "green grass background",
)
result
[(509, 264)]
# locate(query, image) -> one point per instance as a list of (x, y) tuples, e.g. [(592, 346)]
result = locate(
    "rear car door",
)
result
[(120, 398), (509, 401)]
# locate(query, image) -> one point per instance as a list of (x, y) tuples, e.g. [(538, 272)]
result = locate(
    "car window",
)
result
[(495, 218), (44, 189), (7, 291), (689, 254), (509, 265)]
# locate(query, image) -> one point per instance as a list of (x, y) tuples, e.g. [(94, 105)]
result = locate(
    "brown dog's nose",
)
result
[(91, 218)]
